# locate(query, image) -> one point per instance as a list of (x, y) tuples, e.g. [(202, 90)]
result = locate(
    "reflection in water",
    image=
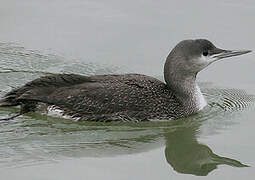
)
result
[(42, 139), (186, 155), (34, 138)]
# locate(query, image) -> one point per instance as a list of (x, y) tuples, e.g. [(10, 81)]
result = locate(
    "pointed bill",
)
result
[(220, 53)]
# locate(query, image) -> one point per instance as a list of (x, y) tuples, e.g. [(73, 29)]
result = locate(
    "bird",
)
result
[(125, 97)]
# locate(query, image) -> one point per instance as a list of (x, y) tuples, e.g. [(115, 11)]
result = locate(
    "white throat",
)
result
[(199, 98)]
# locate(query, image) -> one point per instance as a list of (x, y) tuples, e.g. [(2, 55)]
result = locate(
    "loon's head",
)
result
[(191, 56), (184, 62)]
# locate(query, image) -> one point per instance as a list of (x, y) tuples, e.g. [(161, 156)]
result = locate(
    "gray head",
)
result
[(186, 60), (191, 56)]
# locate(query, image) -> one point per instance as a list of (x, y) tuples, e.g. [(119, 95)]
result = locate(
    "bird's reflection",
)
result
[(186, 155), (182, 150)]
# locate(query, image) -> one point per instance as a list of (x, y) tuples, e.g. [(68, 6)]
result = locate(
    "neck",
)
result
[(185, 88)]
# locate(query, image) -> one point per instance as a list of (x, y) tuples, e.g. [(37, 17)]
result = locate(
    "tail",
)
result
[(10, 99), (7, 101)]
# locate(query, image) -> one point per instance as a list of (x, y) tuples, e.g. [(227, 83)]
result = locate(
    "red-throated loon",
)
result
[(127, 97)]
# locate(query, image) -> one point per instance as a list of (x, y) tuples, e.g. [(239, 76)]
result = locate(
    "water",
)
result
[(98, 37)]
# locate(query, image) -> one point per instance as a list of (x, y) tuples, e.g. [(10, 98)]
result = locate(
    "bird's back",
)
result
[(128, 97)]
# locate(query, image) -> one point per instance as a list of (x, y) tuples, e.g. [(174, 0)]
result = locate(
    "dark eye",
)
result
[(205, 53)]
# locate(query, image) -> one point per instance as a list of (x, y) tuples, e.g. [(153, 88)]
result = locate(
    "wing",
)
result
[(107, 94), (84, 95)]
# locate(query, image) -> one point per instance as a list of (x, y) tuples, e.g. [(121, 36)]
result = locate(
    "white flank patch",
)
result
[(57, 112)]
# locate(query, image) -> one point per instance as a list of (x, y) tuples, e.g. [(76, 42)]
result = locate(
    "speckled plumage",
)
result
[(128, 97)]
